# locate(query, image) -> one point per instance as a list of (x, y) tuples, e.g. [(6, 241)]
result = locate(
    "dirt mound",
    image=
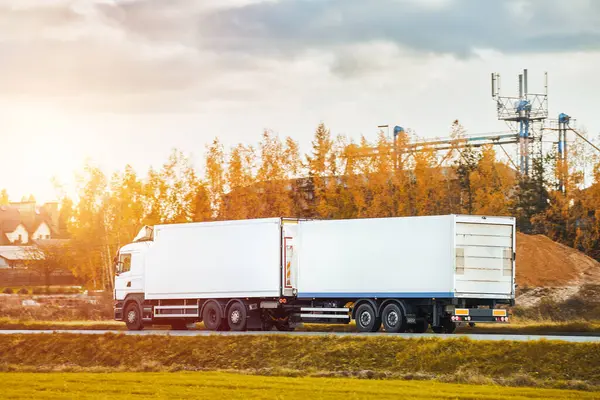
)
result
[(544, 262)]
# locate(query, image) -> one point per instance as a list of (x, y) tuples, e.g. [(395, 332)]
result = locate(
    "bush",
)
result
[(23, 291), (7, 291)]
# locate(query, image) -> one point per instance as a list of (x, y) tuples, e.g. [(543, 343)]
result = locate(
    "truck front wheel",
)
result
[(133, 317), (366, 319)]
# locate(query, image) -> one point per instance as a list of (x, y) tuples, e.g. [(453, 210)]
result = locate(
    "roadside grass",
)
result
[(518, 326), (29, 324), (550, 364), (222, 385)]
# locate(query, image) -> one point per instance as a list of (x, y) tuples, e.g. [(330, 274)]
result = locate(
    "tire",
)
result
[(437, 329), (421, 326), (393, 319), (447, 326), (366, 319), (212, 316), (237, 317), (133, 317), (179, 326)]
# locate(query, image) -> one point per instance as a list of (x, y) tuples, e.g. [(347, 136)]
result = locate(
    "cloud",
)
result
[(455, 27), (98, 53)]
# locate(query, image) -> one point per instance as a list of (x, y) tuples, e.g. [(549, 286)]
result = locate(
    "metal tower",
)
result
[(524, 114)]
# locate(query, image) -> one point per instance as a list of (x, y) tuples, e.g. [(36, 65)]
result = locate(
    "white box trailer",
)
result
[(407, 273), (414, 257)]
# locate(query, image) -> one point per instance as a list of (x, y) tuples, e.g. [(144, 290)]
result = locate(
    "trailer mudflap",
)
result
[(480, 315)]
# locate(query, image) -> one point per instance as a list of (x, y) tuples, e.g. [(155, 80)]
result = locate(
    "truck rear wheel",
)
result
[(393, 319), (212, 316), (237, 316), (366, 319), (133, 317)]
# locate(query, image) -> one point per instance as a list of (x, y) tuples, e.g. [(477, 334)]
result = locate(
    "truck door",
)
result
[(289, 258), (130, 278), (484, 258)]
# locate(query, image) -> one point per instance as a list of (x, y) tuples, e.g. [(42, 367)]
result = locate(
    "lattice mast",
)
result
[(524, 114)]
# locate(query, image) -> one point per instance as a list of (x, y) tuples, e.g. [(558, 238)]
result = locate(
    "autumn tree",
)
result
[(4, 197), (90, 243), (241, 201), (274, 182), (322, 171), (48, 257), (124, 207), (429, 185), (202, 210), (379, 183), (215, 176), (492, 184), (65, 216)]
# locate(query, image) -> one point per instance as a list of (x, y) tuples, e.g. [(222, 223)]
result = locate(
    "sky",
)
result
[(124, 82)]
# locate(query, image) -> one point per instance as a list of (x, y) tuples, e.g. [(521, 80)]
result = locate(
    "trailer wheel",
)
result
[(212, 316), (393, 319), (437, 329), (366, 319), (237, 316), (133, 317), (447, 326)]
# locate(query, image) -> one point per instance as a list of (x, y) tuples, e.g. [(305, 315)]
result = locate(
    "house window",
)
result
[(47, 236), (20, 238)]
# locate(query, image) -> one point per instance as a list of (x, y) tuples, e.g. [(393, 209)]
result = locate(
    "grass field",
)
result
[(220, 385), (552, 364)]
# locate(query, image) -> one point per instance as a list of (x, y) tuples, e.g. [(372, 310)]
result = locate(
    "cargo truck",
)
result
[(407, 274)]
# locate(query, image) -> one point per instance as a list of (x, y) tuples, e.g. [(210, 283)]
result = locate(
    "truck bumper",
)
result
[(480, 315), (118, 310)]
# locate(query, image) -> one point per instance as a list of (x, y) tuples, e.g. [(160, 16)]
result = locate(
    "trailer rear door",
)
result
[(484, 257)]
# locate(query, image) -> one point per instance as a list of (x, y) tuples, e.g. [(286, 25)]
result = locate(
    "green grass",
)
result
[(536, 363), (219, 385)]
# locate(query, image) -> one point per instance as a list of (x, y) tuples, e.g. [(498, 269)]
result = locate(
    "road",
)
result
[(492, 337)]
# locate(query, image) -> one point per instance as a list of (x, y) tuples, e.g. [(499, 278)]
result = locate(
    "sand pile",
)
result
[(543, 262)]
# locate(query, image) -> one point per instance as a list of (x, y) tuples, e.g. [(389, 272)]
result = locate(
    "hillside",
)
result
[(544, 262)]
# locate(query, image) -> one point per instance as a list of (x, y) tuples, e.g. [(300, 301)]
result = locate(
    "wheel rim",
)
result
[(365, 318), (392, 318), (235, 317), (212, 316), (131, 316)]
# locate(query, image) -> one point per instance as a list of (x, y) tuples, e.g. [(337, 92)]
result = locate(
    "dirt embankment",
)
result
[(542, 262)]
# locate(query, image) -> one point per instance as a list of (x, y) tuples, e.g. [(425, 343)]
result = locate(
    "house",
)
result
[(14, 256), (24, 222)]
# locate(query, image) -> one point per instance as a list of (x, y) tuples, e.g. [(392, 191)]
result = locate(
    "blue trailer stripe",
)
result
[(382, 295)]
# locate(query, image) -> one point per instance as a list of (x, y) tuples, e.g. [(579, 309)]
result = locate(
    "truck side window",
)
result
[(125, 262)]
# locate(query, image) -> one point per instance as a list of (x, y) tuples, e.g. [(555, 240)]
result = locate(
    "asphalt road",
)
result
[(492, 337)]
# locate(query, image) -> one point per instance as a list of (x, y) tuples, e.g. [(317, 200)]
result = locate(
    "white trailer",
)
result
[(405, 273)]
